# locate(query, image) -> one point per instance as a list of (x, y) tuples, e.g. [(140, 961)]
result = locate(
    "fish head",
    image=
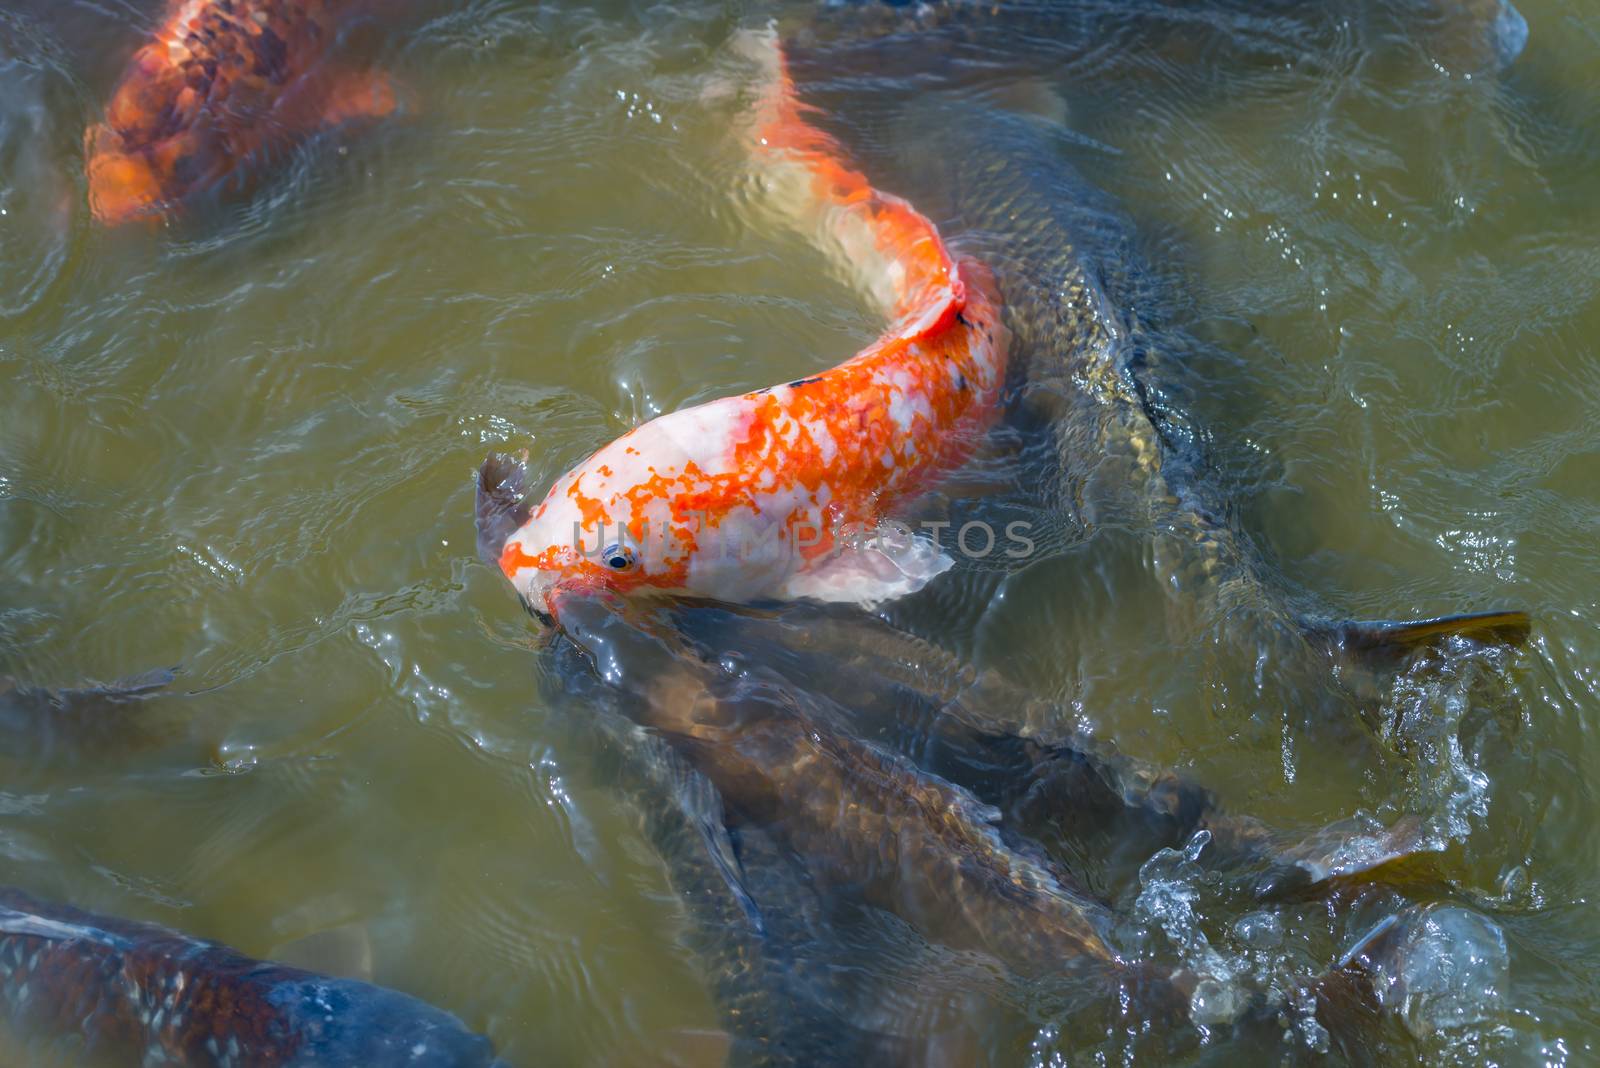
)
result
[(123, 186), (146, 141), (605, 526), (669, 507)]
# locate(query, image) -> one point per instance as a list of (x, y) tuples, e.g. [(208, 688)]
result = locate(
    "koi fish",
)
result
[(223, 83), (136, 993), (782, 492)]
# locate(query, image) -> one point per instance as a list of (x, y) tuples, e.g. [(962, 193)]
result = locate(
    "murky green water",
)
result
[(244, 444)]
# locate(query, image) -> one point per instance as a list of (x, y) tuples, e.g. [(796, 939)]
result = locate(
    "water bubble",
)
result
[(1215, 1002), (1450, 973), (1259, 930)]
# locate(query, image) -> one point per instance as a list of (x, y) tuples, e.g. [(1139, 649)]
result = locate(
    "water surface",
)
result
[(244, 444)]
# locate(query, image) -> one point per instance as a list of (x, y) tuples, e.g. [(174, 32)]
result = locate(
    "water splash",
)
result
[(1171, 883), (1446, 980), (1423, 717)]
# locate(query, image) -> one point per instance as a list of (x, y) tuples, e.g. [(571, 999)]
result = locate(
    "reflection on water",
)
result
[(244, 444)]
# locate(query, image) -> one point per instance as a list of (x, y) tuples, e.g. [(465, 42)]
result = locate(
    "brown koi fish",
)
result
[(222, 84)]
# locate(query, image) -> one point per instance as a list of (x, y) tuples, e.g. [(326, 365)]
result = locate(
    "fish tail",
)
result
[(888, 248)]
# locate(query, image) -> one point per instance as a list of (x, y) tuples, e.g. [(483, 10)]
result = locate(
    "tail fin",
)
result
[(1398, 637)]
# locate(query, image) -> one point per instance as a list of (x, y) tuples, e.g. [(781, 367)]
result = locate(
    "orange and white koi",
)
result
[(221, 84), (783, 492)]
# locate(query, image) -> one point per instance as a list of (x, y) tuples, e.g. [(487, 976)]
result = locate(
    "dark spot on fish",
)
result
[(961, 381), (272, 55), (187, 170), (797, 383), (962, 319)]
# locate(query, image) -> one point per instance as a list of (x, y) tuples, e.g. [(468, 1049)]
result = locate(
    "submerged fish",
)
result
[(223, 84), (780, 492), (859, 816), (1096, 362), (756, 925), (136, 993), (42, 725)]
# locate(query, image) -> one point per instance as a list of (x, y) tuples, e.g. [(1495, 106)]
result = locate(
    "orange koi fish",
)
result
[(783, 492), (222, 84)]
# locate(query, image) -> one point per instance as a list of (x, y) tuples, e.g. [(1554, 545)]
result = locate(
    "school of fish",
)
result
[(784, 493)]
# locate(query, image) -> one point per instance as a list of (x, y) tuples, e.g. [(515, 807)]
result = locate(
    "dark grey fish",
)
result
[(1023, 755), (46, 725), (136, 993), (758, 929), (859, 816)]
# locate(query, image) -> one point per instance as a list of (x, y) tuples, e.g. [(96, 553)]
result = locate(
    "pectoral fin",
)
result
[(500, 508), (359, 94), (701, 802), (1397, 637), (719, 847), (891, 564)]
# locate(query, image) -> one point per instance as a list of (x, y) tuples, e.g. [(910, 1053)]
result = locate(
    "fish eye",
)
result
[(618, 557)]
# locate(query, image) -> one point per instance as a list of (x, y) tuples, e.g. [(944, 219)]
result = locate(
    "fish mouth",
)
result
[(576, 589)]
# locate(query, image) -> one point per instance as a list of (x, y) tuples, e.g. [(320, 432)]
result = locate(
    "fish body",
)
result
[(781, 492), (756, 924), (861, 817), (222, 84), (44, 725), (138, 993)]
